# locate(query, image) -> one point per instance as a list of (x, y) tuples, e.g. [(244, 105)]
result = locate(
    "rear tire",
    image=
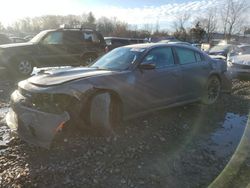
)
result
[(23, 67), (212, 90)]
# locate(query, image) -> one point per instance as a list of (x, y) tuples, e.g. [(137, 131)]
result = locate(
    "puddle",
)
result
[(5, 135), (229, 135), (3, 112)]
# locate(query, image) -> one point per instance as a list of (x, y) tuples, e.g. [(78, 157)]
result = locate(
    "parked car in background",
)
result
[(4, 39), (222, 50), (126, 82), (207, 46), (239, 66), (17, 40), (245, 48), (115, 42), (56, 47)]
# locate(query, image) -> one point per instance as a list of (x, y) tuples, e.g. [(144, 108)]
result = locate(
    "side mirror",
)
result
[(147, 66)]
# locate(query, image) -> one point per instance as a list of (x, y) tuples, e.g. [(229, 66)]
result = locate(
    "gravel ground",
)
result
[(180, 147)]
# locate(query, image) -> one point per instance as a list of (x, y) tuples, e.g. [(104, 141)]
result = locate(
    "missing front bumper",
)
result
[(33, 126)]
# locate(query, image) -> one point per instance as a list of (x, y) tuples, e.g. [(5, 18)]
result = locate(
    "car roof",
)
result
[(153, 45), (122, 38)]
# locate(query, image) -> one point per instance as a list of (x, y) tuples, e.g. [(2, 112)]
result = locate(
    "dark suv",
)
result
[(58, 47)]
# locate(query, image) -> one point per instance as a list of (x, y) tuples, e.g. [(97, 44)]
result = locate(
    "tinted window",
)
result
[(162, 57), (53, 38), (89, 36), (72, 37), (185, 56)]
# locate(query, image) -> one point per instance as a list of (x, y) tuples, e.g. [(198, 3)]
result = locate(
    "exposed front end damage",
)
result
[(34, 125)]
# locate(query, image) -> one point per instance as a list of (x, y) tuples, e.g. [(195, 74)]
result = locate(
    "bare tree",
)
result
[(232, 15), (209, 22), (180, 26), (148, 27), (197, 33), (105, 26)]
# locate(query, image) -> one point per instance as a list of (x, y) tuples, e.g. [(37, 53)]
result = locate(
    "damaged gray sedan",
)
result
[(125, 83)]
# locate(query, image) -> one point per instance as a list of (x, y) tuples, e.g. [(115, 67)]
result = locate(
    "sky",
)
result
[(134, 12)]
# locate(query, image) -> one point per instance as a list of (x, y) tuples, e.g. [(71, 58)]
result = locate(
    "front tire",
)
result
[(105, 112), (212, 90)]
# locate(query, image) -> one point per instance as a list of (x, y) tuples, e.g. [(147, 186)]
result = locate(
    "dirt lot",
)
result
[(181, 147)]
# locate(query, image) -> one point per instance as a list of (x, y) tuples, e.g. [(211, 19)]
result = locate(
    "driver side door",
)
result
[(162, 85)]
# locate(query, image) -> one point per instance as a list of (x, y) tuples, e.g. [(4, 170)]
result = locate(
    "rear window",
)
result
[(185, 56), (89, 36), (72, 37)]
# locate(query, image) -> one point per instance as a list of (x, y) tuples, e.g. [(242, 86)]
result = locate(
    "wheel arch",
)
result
[(215, 74), (29, 56), (87, 98)]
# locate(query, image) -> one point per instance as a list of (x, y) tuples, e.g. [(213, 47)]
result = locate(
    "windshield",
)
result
[(219, 48), (38, 37), (118, 59)]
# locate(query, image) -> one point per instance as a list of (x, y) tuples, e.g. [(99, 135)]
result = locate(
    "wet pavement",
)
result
[(229, 135), (192, 143)]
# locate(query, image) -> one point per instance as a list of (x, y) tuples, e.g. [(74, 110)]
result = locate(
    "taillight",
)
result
[(106, 49)]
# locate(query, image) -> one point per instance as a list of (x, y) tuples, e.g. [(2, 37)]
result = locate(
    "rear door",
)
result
[(73, 44), (195, 71)]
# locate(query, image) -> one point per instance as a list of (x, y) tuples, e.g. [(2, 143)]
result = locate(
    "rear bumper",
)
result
[(33, 126)]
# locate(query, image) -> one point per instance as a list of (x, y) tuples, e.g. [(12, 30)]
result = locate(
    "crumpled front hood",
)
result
[(63, 75), (218, 57), (241, 59), (211, 52)]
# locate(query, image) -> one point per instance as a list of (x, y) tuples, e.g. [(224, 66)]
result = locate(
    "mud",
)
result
[(180, 147)]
